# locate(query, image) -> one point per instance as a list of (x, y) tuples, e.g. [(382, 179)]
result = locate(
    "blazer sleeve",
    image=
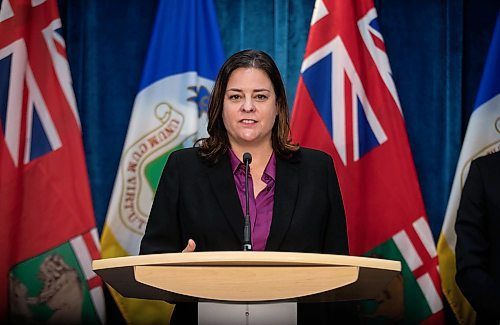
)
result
[(163, 233), (473, 246), (335, 241)]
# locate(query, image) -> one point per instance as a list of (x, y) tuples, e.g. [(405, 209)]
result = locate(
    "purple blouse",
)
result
[(261, 207)]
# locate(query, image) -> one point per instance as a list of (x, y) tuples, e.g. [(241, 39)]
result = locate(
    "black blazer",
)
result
[(478, 239), (197, 200)]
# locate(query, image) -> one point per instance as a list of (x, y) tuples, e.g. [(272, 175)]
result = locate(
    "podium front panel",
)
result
[(251, 277)]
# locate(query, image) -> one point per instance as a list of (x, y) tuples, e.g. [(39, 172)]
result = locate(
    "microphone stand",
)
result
[(247, 239)]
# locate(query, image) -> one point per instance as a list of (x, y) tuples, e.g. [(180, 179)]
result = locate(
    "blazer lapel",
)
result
[(223, 186), (285, 198)]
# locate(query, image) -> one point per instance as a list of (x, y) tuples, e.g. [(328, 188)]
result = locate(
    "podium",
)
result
[(247, 277)]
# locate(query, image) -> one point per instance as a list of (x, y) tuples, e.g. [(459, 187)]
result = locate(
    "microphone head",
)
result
[(247, 158)]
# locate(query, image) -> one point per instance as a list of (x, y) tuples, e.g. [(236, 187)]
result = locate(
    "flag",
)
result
[(48, 235), (347, 105), (482, 137), (170, 112)]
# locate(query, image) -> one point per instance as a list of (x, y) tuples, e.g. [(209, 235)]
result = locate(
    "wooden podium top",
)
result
[(247, 276)]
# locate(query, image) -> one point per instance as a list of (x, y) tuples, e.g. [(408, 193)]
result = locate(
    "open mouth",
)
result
[(248, 121)]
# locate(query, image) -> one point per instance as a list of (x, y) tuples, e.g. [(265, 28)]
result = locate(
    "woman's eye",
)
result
[(261, 97), (234, 97)]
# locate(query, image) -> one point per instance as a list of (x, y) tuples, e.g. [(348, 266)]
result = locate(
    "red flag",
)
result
[(347, 105), (48, 232)]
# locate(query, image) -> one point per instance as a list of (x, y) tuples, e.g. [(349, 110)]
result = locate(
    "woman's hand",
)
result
[(190, 247)]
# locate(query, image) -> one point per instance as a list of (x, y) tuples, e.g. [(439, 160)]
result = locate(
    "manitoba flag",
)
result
[(47, 234), (347, 105)]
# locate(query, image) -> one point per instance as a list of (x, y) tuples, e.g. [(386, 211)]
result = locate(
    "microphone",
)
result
[(247, 236)]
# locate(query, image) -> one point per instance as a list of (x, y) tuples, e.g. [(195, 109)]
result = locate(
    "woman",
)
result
[(295, 202)]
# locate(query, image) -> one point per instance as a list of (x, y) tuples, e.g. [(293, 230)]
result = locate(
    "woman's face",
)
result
[(249, 108)]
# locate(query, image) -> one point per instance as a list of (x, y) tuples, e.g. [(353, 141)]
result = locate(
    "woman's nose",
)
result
[(248, 105)]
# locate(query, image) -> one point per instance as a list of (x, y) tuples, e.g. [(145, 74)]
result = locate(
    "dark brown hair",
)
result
[(217, 144)]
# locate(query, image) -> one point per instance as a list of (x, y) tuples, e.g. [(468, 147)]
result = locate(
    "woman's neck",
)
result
[(260, 154)]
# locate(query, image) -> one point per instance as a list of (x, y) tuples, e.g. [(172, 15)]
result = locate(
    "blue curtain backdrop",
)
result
[(436, 49)]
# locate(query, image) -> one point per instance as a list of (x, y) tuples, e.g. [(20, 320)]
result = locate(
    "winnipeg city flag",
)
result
[(170, 112), (482, 137), (347, 105), (48, 235)]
